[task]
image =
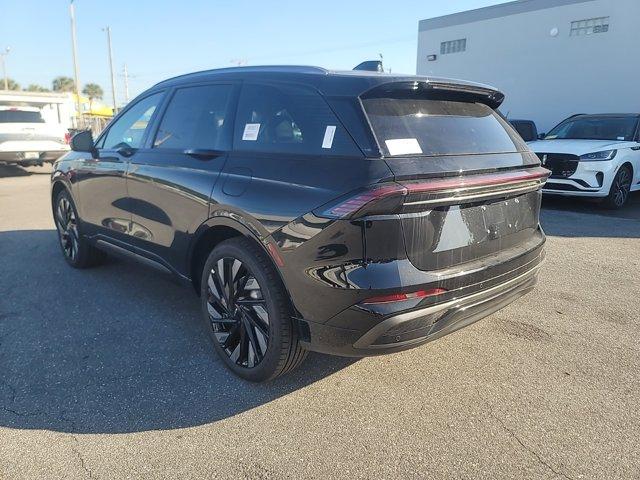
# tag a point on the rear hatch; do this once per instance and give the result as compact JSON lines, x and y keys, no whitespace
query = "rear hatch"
{"x":26,"y":124}
{"x":471,"y":185}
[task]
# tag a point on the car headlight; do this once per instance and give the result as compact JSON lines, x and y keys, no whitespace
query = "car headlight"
{"x":598,"y":156}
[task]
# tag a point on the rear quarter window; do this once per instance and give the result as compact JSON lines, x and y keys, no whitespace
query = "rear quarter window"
{"x":416,"y":126}
{"x":287,"y":118}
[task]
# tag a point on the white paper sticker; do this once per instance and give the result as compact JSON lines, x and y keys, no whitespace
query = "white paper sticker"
{"x":329,"y":133}
{"x":620,"y":138}
{"x":251,"y":131}
{"x":403,"y":146}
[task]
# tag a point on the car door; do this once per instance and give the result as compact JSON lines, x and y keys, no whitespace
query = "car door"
{"x":102,"y":178}
{"x":170,"y":181}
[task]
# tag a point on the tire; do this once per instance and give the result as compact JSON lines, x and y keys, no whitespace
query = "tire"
{"x":247,"y":312}
{"x":620,"y":188}
{"x":77,"y":250}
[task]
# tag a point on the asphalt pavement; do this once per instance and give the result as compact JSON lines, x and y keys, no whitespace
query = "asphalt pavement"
{"x":108,"y":373}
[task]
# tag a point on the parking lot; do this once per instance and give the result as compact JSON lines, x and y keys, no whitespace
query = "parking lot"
{"x":107,"y":373}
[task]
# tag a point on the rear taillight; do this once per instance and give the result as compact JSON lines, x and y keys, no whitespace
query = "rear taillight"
{"x":67,"y":138}
{"x":390,"y":197}
{"x":400,"y":297}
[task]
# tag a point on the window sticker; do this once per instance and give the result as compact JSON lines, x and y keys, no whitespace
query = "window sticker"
{"x":403,"y":146}
{"x":251,"y":131}
{"x":329,"y":133}
{"x":621,"y":138}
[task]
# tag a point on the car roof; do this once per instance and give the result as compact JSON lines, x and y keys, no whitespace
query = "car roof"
{"x":329,"y":82}
{"x":612,"y":115}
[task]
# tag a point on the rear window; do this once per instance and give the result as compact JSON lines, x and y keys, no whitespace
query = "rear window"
{"x":287,"y":118}
{"x":416,"y":126}
{"x":20,"y":116}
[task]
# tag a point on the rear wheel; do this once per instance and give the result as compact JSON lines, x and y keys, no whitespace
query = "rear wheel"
{"x":620,"y":188}
{"x":247,"y":312}
{"x":77,"y":251}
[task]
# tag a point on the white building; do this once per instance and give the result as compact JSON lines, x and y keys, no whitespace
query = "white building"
{"x":552,"y":58}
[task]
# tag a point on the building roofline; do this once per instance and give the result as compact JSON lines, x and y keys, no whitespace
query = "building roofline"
{"x":494,"y":11}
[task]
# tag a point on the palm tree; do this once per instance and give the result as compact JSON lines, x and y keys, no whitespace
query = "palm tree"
{"x":36,"y":88}
{"x":63,"y":84}
{"x":11,"y":83}
{"x":93,"y":91}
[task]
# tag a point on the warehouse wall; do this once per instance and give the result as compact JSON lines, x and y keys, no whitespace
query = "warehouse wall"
{"x":545,"y":78}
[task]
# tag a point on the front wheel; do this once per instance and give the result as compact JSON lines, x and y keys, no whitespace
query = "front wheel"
{"x":247,"y":312}
{"x":77,"y":251}
{"x":620,"y":188}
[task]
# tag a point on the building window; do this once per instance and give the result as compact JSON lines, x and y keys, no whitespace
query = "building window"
{"x":453,"y":46}
{"x":589,"y":26}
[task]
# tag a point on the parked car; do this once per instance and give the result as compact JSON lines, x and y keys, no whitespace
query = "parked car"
{"x":526,"y":129}
{"x":595,"y":156}
{"x":26,"y":139}
{"x":351,"y":213}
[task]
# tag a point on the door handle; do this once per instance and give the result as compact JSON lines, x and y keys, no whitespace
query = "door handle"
{"x":203,"y":153}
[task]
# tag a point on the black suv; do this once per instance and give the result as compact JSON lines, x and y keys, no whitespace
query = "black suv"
{"x":351,"y":213}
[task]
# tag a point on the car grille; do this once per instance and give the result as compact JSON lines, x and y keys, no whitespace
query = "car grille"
{"x":562,"y":165}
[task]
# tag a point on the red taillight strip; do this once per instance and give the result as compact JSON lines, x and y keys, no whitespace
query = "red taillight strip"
{"x":355,"y":203}
{"x":400,"y":297}
{"x":441,"y":185}
{"x":487,"y":180}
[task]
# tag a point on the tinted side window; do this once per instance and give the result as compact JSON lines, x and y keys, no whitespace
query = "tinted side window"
{"x":197,"y":117}
{"x":128,"y":130}
{"x":289,"y":119}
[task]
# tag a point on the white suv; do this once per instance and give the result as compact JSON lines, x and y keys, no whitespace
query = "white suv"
{"x":593,"y":156}
{"x":26,"y":139}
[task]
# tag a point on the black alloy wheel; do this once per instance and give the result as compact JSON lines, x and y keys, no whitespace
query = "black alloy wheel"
{"x":77,"y":251}
{"x":238,"y":314}
{"x":67,"y":225}
{"x":248,"y":313}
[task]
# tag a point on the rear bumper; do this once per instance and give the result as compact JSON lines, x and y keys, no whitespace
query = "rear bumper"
{"x":31,"y":157}
{"x":402,"y":331}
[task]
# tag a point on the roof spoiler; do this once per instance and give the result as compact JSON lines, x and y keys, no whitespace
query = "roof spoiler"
{"x":438,"y":89}
{"x":370,"y":66}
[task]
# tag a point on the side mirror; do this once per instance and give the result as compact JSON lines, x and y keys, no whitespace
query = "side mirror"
{"x":83,"y":142}
{"x":541,"y":136}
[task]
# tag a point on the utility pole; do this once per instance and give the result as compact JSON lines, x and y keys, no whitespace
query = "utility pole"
{"x":74,"y":48}
{"x":4,"y":67}
{"x":113,"y":78}
{"x":125,"y":73}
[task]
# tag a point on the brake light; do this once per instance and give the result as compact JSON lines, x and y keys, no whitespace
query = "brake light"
{"x":355,"y":202}
{"x":400,"y":297}
{"x":67,"y":138}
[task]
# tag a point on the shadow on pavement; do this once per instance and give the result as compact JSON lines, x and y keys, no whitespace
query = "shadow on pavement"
{"x":574,"y":217}
{"x":118,"y":348}
{"x":17,"y":171}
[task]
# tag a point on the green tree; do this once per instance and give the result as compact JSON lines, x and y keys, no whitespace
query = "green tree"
{"x":36,"y":88}
{"x":63,"y":84}
{"x":93,"y":91}
{"x":11,"y":83}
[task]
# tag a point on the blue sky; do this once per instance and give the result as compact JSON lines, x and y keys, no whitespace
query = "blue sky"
{"x":161,"y":39}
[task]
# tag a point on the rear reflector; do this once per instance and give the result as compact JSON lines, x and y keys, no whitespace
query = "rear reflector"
{"x":352,"y":204}
{"x":273,"y":251}
{"x":400,"y":297}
